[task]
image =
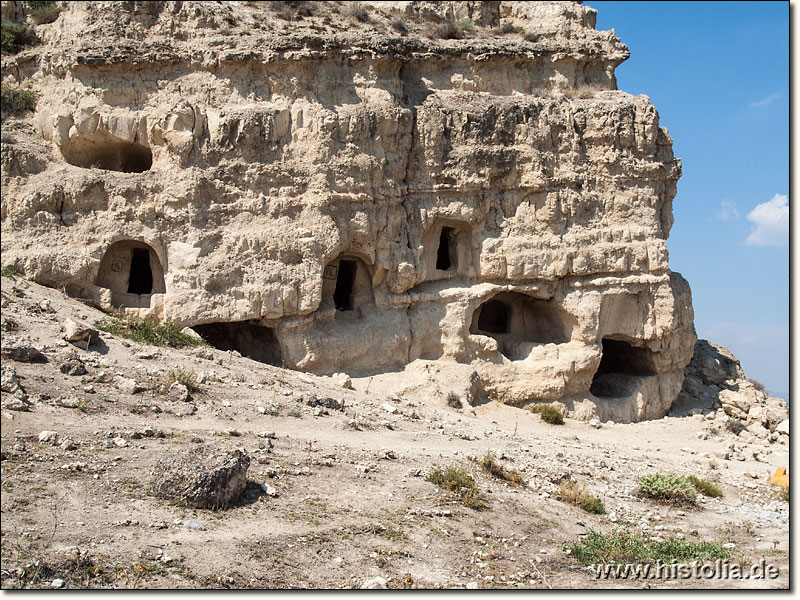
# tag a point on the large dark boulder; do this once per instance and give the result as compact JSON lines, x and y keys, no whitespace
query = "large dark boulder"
{"x":204,"y":477}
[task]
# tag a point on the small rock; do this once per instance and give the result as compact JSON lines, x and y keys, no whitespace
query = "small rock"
{"x":595,"y":423}
{"x":729,"y":545}
{"x":472,"y":585}
{"x":389,"y":408}
{"x":195,"y":525}
{"x":342,"y":380}
{"x":375,"y":583}
{"x":128,"y":386}
{"x":72,"y":366}
{"x":178,"y":392}
{"x":783,"y":427}
{"x":57,"y":584}
{"x":18,"y":404}
{"x":269,"y":490}
{"x":68,"y":444}
{"x":75,"y":332}
{"x":48,"y":437}
{"x":22,"y":352}
{"x":119,"y":442}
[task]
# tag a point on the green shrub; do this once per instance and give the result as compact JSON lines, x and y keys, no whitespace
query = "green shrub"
{"x":148,"y":332}
{"x":15,"y":101}
{"x":495,"y":469}
{"x":668,"y":488}
{"x":13,"y":36}
{"x":573,"y":493}
{"x":623,"y":546}
{"x":459,"y":482}
{"x":705,"y":487}
{"x":549,"y":413}
{"x":43,"y":11}
{"x":465,"y":24}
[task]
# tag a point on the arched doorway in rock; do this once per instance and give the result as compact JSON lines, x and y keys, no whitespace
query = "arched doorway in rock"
{"x":621,"y":363}
{"x":133,"y":272}
{"x":518,"y":321}
{"x":347,"y":286}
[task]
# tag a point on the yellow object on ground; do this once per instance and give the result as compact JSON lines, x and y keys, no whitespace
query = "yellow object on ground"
{"x":781,"y":477}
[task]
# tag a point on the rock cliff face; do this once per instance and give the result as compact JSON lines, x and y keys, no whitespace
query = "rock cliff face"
{"x":335,"y":187}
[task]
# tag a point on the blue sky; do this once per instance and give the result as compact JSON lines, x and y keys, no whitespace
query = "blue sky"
{"x":718,"y":73}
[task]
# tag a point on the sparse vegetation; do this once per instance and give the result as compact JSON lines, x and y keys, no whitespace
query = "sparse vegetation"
{"x":549,"y":413}
{"x":16,"y":102}
{"x":187,"y":378}
{"x":466,"y":25}
{"x":459,"y":482}
{"x":8,"y":271}
{"x":292,"y":10}
{"x":15,"y":36}
{"x":507,"y":28}
{"x":495,"y":469}
{"x":623,"y":546}
{"x":399,"y":26}
{"x":295,"y":412}
{"x":42,"y":12}
{"x":668,"y":488}
{"x":576,"y":494}
{"x":530,"y":36}
{"x":705,"y":487}
{"x":757,"y":384}
{"x":447,"y":31}
{"x":148,"y":332}
{"x":735,"y":426}
{"x":453,"y":400}
{"x":357,"y":11}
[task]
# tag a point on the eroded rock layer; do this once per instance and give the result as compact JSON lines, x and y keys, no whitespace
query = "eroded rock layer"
{"x":332,"y":193}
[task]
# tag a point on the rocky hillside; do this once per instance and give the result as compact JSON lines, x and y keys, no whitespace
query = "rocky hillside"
{"x":331,"y":482}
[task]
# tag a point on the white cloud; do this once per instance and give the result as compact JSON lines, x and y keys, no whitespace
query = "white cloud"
{"x":770,"y":222}
{"x":768,"y":100}
{"x":727,"y":211}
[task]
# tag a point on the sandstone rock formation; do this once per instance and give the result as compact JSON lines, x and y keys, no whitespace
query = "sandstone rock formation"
{"x":332,"y":193}
{"x":715,"y":384}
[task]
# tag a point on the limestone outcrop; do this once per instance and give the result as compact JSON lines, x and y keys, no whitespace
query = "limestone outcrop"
{"x":335,"y":187}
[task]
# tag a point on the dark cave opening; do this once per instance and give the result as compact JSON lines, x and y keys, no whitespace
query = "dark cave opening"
{"x":445,"y":253}
{"x":620,"y":361}
{"x":493,"y":317}
{"x":140,"y":279}
{"x":249,"y":338}
{"x":345,"y":282}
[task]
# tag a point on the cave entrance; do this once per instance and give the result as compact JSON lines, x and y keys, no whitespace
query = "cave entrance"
{"x":140,"y":279}
{"x":345,"y":282}
{"x":493,"y":317}
{"x":519,"y":322}
{"x":248,"y":338}
{"x":446,"y":255}
{"x":133,"y":272}
{"x":621,"y":362}
{"x":109,"y":153}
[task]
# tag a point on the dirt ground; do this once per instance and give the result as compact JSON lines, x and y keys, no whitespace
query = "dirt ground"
{"x":352,"y":500}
